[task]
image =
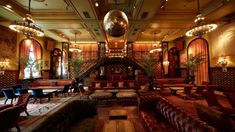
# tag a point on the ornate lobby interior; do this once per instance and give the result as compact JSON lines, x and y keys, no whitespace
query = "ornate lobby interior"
{"x":117,"y":65}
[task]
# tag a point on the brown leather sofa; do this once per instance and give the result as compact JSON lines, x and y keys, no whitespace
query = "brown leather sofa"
{"x":50,"y":84}
{"x":216,"y":118}
{"x":159,"y":114}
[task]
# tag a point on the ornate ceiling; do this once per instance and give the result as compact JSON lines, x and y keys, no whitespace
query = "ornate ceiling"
{"x":169,"y":19}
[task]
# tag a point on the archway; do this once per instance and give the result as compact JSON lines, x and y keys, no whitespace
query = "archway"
{"x":199,"y":46}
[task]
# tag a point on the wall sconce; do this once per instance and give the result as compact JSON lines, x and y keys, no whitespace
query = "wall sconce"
{"x":223,"y":62}
{"x":3,"y":63}
{"x":166,"y":62}
{"x":165,"y":66}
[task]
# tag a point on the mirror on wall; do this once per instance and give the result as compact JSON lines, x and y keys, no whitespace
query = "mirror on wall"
{"x":59,"y":63}
{"x":65,"y":56}
{"x":56,"y":64}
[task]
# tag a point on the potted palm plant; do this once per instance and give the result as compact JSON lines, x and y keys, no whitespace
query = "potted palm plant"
{"x":149,"y":65}
{"x":192,"y":64}
{"x":75,"y":66}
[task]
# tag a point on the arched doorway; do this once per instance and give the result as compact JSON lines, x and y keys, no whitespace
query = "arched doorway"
{"x":199,"y":47}
{"x":174,"y":63}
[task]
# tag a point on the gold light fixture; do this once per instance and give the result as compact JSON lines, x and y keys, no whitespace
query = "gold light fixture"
{"x":75,"y":48}
{"x":201,"y":27}
{"x":156,"y":45}
{"x":115,"y":22}
{"x":3,"y":63}
{"x":27,"y":27}
{"x":223,"y":62}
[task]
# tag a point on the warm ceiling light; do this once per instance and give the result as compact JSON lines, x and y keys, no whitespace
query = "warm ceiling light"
{"x":27,"y":27}
{"x":155,"y":50}
{"x":9,"y":6}
{"x":75,"y":48}
{"x":96,"y":4}
{"x":157,"y":47}
{"x":201,"y":27}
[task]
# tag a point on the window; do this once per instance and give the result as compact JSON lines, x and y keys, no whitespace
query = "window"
{"x":30,"y":59}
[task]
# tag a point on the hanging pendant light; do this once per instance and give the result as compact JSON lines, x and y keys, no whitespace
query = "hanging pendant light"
{"x":201,"y":27}
{"x":75,"y":48}
{"x":27,"y":27}
{"x":156,"y":45}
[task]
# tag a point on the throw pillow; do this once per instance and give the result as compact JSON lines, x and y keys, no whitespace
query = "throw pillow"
{"x":53,"y":83}
{"x":120,"y":84}
{"x":171,"y":82}
{"x":131,"y":84}
{"x":109,"y":85}
{"x":97,"y":85}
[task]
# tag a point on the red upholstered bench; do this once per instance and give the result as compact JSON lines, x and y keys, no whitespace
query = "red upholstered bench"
{"x":50,"y":84}
{"x":172,"y":82}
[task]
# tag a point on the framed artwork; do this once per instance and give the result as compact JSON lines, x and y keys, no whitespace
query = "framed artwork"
{"x":7,"y":42}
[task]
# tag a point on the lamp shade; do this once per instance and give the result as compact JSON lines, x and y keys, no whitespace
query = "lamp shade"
{"x":115,"y":23}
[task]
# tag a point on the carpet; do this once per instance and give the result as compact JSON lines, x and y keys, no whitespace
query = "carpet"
{"x":36,"y":110}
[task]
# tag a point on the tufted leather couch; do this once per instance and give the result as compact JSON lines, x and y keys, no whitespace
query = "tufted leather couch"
{"x":165,"y":116}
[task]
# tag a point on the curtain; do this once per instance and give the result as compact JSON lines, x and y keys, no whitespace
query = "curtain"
{"x":199,"y":46}
{"x":24,"y":52}
{"x":37,"y":55}
{"x":36,"y":49}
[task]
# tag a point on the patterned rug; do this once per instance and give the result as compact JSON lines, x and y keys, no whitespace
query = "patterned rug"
{"x":36,"y":110}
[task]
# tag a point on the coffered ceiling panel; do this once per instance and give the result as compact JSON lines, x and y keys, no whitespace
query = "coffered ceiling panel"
{"x":56,"y":5}
{"x":170,"y":17}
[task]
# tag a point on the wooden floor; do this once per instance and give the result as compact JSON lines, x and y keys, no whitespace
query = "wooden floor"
{"x":132,"y":117}
{"x":103,"y":123}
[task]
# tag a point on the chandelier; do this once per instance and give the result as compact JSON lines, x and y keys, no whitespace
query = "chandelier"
{"x":201,"y":27}
{"x":75,"y":48}
{"x":157,"y":46}
{"x":27,"y":27}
